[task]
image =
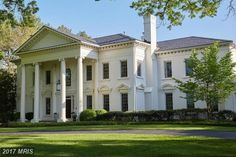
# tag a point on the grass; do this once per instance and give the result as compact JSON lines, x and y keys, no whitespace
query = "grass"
{"x":121,"y":145}
{"x":160,"y":126}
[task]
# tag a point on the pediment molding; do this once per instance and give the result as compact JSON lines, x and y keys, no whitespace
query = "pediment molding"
{"x":123,"y":88}
{"x":104,"y":89}
{"x":168,"y":86}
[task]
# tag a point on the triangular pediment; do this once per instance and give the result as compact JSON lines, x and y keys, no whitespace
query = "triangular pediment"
{"x":46,"y":37}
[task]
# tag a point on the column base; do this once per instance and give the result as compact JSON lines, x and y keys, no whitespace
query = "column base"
{"x":61,"y":120}
{"x":22,"y":120}
{"x":34,"y":121}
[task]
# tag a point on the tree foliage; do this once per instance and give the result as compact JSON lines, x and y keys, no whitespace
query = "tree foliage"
{"x":212,"y":78}
{"x":7,"y":95}
{"x":18,"y":12}
{"x":67,"y":30}
{"x":173,"y":12}
{"x":83,"y":34}
{"x":12,"y":38}
{"x":64,"y":29}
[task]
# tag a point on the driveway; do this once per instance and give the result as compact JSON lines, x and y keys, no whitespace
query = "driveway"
{"x":218,"y":134}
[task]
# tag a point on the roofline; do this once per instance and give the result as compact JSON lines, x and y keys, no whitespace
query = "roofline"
{"x":223,"y":40}
{"x":54,"y":30}
{"x":190,"y":47}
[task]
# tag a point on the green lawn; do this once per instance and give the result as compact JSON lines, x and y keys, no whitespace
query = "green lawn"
{"x":122,"y":126}
{"x":121,"y":145}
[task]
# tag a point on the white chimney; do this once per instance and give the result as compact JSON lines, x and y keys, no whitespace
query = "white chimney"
{"x":150,"y":30}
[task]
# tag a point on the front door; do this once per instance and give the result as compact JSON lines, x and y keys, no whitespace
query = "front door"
{"x":68,"y":107}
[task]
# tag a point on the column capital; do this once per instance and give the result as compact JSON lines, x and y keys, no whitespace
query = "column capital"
{"x":61,"y":59}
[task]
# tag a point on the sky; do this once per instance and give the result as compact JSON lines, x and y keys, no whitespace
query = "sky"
{"x":108,"y":17}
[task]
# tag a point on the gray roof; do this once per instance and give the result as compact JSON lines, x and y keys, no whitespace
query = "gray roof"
{"x":187,"y":42}
{"x":113,"y":39}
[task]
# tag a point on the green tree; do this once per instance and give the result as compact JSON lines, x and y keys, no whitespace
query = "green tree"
{"x":173,"y":12}
{"x":18,"y":12}
{"x":212,"y":78}
{"x":64,"y":29}
{"x":7,"y":95}
{"x":83,"y":34}
{"x":12,"y":38}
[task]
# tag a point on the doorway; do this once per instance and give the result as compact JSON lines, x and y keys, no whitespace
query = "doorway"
{"x":68,"y":107}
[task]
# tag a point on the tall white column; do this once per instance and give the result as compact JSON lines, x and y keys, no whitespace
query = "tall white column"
{"x":63,"y":91}
{"x":22,"y":101}
{"x":96,"y":77}
{"x":54,"y":89}
{"x":36,"y":94}
{"x":79,"y":85}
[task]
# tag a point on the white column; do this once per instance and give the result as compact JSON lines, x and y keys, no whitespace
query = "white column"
{"x":36,"y":94}
{"x":96,"y":77}
{"x":63,"y":91}
{"x":79,"y":85}
{"x":54,"y":89}
{"x":22,"y":102}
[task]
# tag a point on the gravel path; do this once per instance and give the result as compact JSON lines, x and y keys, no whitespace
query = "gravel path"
{"x":218,"y":134}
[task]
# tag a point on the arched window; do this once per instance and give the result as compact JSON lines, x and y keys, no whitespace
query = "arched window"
{"x":68,"y":77}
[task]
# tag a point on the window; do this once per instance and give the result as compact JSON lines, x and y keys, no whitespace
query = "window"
{"x":89,"y":72}
{"x":169,"y":101}
{"x":188,"y":70}
{"x":189,"y":100}
{"x":139,"y":69}
{"x":124,"y":102}
{"x":68,"y":77}
{"x":48,"y":106}
{"x":168,"y":70}
{"x":48,"y":77}
{"x":89,"y":101}
{"x":106,"y":102}
{"x":124,"y":70}
{"x":106,"y":71}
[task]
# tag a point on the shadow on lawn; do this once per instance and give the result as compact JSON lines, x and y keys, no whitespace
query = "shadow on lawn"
{"x":135,"y":148}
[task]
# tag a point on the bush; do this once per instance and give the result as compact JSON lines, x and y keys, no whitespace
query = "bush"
{"x":149,"y":116}
{"x":87,"y":115}
{"x":14,"y":116}
{"x":100,"y":112}
{"x":29,"y":116}
{"x":225,"y":115}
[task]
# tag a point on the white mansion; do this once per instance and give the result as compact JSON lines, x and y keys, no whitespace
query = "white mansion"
{"x":62,"y":73}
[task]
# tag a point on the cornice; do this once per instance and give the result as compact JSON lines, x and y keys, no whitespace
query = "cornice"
{"x":49,"y":48}
{"x":187,"y":49}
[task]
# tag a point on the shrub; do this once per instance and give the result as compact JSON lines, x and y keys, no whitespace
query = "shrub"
{"x":148,"y":116}
{"x":225,"y":115}
{"x":14,"y":116}
{"x":29,"y":116}
{"x":87,"y":115}
{"x":100,"y":112}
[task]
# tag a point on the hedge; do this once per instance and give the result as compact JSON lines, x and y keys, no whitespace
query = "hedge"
{"x":169,"y":115}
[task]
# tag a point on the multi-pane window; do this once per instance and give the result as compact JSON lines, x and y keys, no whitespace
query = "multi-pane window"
{"x":124,"y":69}
{"x":139,"y":69}
{"x":188,"y":69}
{"x":89,"y":101}
{"x":106,"y":102}
{"x":124,"y":102}
{"x":89,"y":72}
{"x":189,"y":101}
{"x":48,"y":106}
{"x":106,"y":71}
{"x":48,"y":77}
{"x":168,"y":69}
{"x":169,"y":101}
{"x":68,"y":77}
